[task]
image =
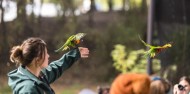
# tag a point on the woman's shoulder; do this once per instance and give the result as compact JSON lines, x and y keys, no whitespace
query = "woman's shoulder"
{"x":26,"y":86}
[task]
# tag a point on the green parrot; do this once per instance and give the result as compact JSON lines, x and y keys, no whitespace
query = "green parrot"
{"x":72,"y":41}
{"x":155,"y":49}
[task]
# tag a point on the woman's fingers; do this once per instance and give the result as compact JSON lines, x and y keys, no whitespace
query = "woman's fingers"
{"x":84,"y":52}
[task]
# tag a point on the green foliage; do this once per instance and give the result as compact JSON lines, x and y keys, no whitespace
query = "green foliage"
{"x":132,"y":62}
{"x":135,"y":3}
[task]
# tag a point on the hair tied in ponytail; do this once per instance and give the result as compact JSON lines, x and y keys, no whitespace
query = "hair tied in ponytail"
{"x":16,"y":54}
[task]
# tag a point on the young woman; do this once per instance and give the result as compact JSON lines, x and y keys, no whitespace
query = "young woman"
{"x":34,"y":75}
{"x":183,"y":87}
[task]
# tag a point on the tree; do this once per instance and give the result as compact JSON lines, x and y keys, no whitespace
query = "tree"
{"x":23,"y":23}
{"x":143,"y":6}
{"x":92,"y":6}
{"x":133,"y":61}
{"x":3,"y":29}
{"x":110,"y":4}
{"x":91,"y":13}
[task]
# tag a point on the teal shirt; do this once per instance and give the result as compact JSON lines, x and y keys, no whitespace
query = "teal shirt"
{"x":24,"y":82}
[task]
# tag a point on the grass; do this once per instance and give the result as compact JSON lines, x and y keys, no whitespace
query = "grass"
{"x":59,"y":89}
{"x":72,"y":89}
{"x":5,"y":90}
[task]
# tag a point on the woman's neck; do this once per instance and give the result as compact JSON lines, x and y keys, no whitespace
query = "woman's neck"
{"x":34,"y":70}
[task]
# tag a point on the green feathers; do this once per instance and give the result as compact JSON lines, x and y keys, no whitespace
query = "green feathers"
{"x":71,"y":42}
{"x":154,"y":49}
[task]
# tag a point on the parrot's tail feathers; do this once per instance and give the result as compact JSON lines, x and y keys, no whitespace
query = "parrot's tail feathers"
{"x":62,"y":49}
{"x":148,"y":45}
{"x":142,"y":41}
{"x":57,"y":50}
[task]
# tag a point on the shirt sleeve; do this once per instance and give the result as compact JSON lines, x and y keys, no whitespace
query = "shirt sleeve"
{"x":56,"y":68}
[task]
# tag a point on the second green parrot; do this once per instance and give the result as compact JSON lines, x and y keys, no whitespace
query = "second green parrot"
{"x":72,"y":41}
{"x":154,"y":49}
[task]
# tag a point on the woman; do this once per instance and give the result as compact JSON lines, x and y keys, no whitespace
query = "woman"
{"x":34,"y":75}
{"x":183,"y":87}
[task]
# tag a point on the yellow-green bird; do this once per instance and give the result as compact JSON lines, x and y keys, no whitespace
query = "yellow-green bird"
{"x":72,"y":41}
{"x":154,"y":49}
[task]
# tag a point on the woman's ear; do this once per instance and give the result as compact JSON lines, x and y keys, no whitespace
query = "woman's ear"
{"x":37,"y":61}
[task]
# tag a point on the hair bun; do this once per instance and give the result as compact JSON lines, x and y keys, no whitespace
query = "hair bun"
{"x":16,"y":54}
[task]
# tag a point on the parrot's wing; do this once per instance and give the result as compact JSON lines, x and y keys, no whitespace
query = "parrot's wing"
{"x":147,"y":53}
{"x":150,"y":53}
{"x":71,"y":38}
{"x":67,"y":44}
{"x":80,"y":35}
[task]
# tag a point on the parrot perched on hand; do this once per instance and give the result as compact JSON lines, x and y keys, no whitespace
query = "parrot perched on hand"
{"x":72,"y":41}
{"x":154,"y":49}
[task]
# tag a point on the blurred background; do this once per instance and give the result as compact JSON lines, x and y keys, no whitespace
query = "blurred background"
{"x":112,"y":28}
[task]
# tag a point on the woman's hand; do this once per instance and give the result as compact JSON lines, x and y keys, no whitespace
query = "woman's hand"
{"x":175,"y":89}
{"x":84,"y":52}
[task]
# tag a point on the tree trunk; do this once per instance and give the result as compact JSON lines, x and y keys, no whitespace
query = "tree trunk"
{"x":110,"y":4}
{"x":143,"y":6}
{"x":40,"y":20}
{"x":91,"y":13}
{"x":4,"y":41}
{"x":124,"y":5}
{"x":25,"y":29}
{"x":21,"y":12}
{"x":92,"y":6}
